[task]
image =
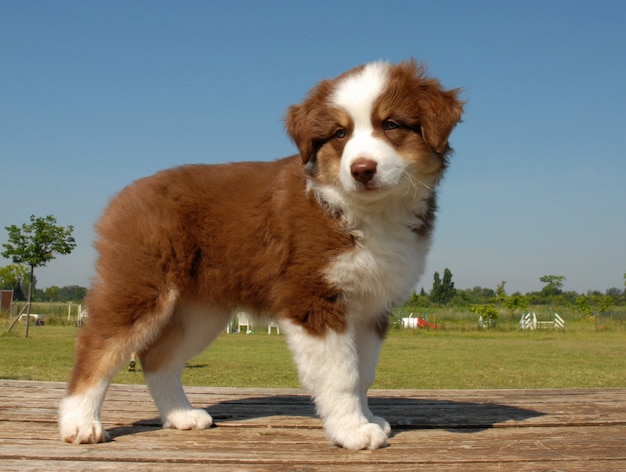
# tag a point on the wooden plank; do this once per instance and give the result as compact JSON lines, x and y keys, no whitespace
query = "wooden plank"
{"x":131,"y":404}
{"x":79,"y":466}
{"x":261,"y":429}
{"x":307,"y":447}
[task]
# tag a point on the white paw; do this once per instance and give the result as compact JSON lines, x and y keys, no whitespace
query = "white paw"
{"x":367,"y":436}
{"x":83,"y":433}
{"x":382,"y":423}
{"x":194,"y":418}
{"x":77,"y":428}
{"x":79,"y":422}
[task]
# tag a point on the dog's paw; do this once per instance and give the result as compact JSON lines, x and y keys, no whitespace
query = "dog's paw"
{"x":367,"y":436}
{"x":188,"y":419}
{"x":384,"y":425}
{"x":86,"y":432}
{"x":79,"y":424}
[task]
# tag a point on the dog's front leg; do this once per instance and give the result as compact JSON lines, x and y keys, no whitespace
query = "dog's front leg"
{"x":328,"y":365}
{"x":369,"y":342}
{"x":176,"y":412}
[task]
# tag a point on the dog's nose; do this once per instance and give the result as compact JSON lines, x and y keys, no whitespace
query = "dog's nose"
{"x":363,"y":170}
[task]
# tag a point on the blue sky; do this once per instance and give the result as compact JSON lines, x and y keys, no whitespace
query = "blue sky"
{"x":96,"y":94}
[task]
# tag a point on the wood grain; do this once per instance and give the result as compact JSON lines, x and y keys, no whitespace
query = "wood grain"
{"x":276,"y":429}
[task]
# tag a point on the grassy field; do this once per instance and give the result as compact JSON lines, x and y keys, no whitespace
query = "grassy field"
{"x":581,"y":356}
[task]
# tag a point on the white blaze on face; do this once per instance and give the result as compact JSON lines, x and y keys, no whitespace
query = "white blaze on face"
{"x":357,"y":94}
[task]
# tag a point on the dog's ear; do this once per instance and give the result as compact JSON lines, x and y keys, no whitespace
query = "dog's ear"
{"x":441,"y":110}
{"x":312,"y":122}
{"x":435,"y":109}
{"x":299,"y":125}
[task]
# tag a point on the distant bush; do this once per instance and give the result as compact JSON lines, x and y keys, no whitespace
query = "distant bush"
{"x":487,"y":315}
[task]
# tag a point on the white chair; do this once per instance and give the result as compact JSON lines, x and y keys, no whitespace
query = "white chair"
{"x":243,"y":319}
{"x":273,"y":324}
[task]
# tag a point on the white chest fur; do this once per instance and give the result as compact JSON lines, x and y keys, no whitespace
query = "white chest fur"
{"x":383,"y":268}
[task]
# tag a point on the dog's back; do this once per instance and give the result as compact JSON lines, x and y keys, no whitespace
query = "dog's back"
{"x":241,"y":235}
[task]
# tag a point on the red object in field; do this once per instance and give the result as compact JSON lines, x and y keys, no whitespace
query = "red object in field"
{"x":422,"y":323}
{"x":411,"y":322}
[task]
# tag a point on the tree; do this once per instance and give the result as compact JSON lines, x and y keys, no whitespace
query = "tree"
{"x":581,"y":305}
{"x":501,"y":292}
{"x":35,"y":245}
{"x":51,"y":293}
{"x":613,"y":292}
{"x":68,"y":293}
{"x":443,"y":290}
{"x":435,"y":292}
{"x":554,"y":284}
{"x":447,"y":286}
{"x":517,"y":301}
{"x":488,"y":315}
{"x":12,"y":275}
{"x":605,"y":303}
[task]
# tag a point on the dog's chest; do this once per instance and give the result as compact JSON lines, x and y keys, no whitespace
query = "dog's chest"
{"x":382,"y":269}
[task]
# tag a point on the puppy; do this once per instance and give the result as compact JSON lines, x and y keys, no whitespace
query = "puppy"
{"x":327,"y":242}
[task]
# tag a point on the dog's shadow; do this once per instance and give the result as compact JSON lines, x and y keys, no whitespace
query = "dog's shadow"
{"x":402,"y":413}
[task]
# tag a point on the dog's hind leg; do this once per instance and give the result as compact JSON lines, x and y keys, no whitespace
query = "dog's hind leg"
{"x":104,"y":344}
{"x":190,"y":330}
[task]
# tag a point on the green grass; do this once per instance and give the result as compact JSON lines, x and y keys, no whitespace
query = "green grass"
{"x":581,"y":357}
{"x":512,"y":359}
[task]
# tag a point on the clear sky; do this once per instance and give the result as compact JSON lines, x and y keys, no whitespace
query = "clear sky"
{"x":95,"y":94}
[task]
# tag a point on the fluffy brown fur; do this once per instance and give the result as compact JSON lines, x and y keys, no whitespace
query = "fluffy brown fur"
{"x":242,"y":235}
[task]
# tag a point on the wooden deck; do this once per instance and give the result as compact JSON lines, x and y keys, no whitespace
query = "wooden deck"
{"x":275,"y":430}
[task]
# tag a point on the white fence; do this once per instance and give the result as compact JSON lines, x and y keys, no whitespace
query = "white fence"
{"x":529,"y":321}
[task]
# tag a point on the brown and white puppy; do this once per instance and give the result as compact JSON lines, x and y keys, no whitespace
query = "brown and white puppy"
{"x":327,"y":242}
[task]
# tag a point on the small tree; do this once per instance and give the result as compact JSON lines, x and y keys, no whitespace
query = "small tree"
{"x":488,"y":315}
{"x":501,"y":292}
{"x":35,"y":245}
{"x":554,"y":284}
{"x":435,"y":292}
{"x":605,"y":303}
{"x":448,"y":286}
{"x":12,"y":275}
{"x":517,"y":301}
{"x":581,"y":305}
{"x":443,"y":290}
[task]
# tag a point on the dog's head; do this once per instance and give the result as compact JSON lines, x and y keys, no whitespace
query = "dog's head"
{"x":375,"y":129}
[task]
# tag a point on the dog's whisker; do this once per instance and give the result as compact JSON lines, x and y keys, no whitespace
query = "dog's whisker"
{"x":418,"y":181}
{"x":413,"y":186}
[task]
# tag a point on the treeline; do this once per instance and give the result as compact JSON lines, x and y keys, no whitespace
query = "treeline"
{"x":69,"y":293}
{"x":482,"y":295}
{"x":16,"y":277}
{"x":444,"y":293}
{"x":439,"y":297}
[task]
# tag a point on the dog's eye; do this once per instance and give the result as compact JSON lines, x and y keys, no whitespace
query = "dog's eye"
{"x":340,"y":133}
{"x":389,"y":125}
